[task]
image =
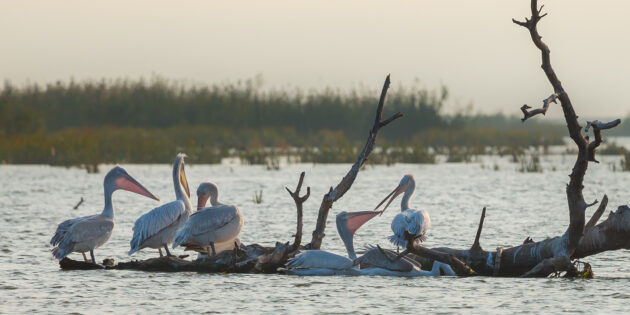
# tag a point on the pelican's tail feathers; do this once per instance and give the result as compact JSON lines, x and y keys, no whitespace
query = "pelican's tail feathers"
{"x":398,"y":241}
{"x":65,"y":247}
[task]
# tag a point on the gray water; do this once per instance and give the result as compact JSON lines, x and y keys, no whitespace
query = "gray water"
{"x":34,"y":199}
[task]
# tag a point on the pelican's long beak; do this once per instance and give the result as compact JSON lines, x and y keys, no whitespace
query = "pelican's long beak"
{"x":201,"y":201}
{"x":128,"y":183}
{"x":393,"y":196}
{"x":357,"y":219}
{"x":184,"y":181}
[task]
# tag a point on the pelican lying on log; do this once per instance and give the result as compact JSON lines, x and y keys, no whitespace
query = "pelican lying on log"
{"x":373,"y":262}
{"x":156,"y":228}
{"x":87,"y":233}
{"x":218,"y":224}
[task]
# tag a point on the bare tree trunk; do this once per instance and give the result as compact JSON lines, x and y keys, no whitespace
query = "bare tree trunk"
{"x":338,"y":192}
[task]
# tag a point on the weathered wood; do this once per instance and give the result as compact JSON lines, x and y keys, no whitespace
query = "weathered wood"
{"x":345,"y":184}
{"x":299,"y":201}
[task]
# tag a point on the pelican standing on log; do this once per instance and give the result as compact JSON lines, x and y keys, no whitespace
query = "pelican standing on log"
{"x":156,"y":228}
{"x":211,"y":226}
{"x":410,"y":224}
{"x":87,"y":233}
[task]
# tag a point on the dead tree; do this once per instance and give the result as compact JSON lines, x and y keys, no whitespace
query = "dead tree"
{"x":540,"y":259}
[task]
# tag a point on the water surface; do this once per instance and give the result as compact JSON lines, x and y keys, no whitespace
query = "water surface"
{"x":34,"y":199}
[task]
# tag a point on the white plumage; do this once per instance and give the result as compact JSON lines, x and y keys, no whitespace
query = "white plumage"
{"x":319,"y":259}
{"x":409,"y":223}
{"x":156,"y":228}
{"x":414,"y":222}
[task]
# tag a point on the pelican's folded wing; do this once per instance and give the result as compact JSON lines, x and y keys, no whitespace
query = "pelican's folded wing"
{"x":154,"y":221}
{"x":211,"y":219}
{"x":91,"y":228}
{"x":63,"y":228}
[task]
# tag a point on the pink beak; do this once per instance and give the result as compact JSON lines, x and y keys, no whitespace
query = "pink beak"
{"x":357,"y":219}
{"x":128,"y":183}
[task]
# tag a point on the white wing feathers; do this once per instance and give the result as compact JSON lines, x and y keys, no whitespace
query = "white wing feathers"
{"x":154,"y":221}
{"x":319,"y":259}
{"x":211,"y":219}
{"x":415,"y":222}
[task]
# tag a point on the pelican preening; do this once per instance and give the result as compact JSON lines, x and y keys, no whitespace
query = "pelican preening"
{"x":156,"y":228}
{"x":409,"y":223}
{"x":211,"y":227}
{"x":374,"y":262}
{"x":87,"y":233}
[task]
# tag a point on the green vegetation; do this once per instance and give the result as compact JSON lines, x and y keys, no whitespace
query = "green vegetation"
{"x":142,"y":121}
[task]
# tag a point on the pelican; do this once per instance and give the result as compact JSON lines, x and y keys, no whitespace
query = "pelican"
{"x":218,"y":224}
{"x":409,"y":224}
{"x":373,"y":262}
{"x":90,"y":232}
{"x":156,"y":228}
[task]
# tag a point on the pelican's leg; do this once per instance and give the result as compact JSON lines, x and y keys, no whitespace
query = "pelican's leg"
{"x":84,"y":257}
{"x":168,"y":254}
{"x":160,"y":249}
{"x":92,"y":255}
{"x":213,"y":251}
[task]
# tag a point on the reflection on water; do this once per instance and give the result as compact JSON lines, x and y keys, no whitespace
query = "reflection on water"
{"x":33,"y":199}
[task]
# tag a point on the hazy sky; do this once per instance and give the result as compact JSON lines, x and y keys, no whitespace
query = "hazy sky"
{"x":470,"y":46}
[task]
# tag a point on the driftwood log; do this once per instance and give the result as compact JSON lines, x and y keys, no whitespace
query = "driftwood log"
{"x":256,"y":258}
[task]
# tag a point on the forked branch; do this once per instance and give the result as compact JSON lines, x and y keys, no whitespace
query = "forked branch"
{"x":299,"y":201}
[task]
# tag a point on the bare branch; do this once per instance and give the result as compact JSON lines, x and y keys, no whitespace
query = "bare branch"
{"x":347,"y":181}
{"x":476,"y":243}
{"x":598,"y":214}
{"x":298,"y":204}
{"x":597,"y":131}
{"x":543,"y":110}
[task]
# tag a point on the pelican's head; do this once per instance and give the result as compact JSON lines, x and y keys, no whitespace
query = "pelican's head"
{"x":406,"y":183}
{"x":204,"y":191}
{"x":118,"y":178}
{"x":179,"y":170}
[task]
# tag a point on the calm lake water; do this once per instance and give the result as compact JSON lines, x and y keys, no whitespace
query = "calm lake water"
{"x":34,"y":199}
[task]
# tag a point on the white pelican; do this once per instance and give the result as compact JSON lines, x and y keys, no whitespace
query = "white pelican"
{"x":156,"y":228}
{"x":87,"y":233}
{"x":409,"y":223}
{"x":218,"y":224}
{"x":322,"y":263}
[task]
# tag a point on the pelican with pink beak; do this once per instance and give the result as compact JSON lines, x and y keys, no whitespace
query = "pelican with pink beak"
{"x":375,"y":261}
{"x":84,"y":234}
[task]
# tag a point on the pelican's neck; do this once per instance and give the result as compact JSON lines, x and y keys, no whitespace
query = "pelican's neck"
{"x":346,"y":236}
{"x":180,"y":192}
{"x":214,"y":197}
{"x":404,"y":204}
{"x":108,"y":211}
